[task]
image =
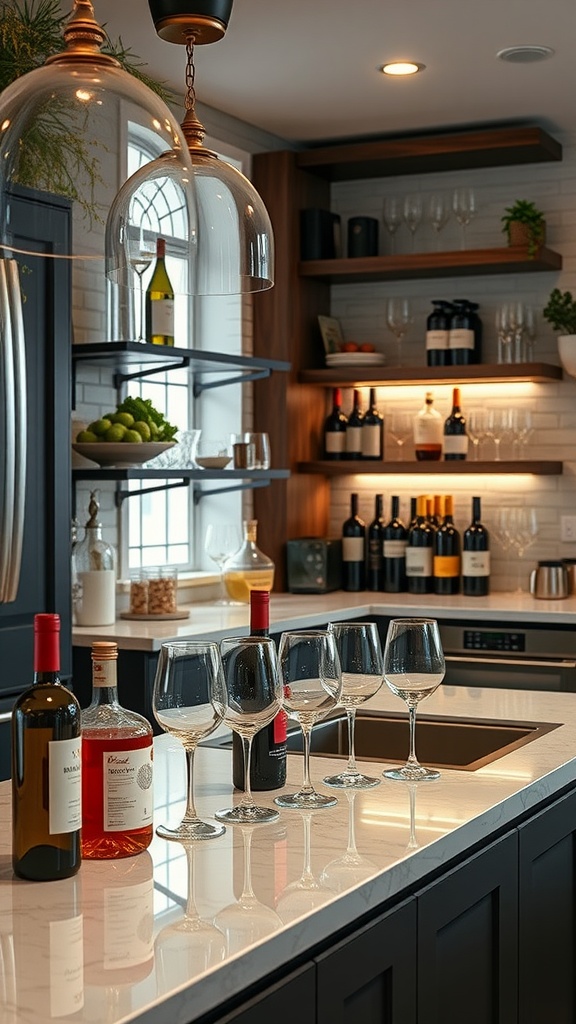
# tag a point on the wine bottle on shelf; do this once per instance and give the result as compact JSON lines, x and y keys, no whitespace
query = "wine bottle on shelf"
{"x":375,"y":573}
{"x":476,"y":556}
{"x":354,"y":429}
{"x":477,"y":327}
{"x":420,"y":552}
{"x":160,"y":301}
{"x":437,"y":333}
{"x":335,"y":429}
{"x":117,"y":775}
{"x":437,"y":517}
{"x":461,"y":338}
{"x":354,"y":549}
{"x":413,"y":502}
{"x":447,"y":553}
{"x":428,"y":432}
{"x":46,"y":767}
{"x":373,"y":431}
{"x":455,"y":435}
{"x":395,"y":541}
{"x":268,"y":757}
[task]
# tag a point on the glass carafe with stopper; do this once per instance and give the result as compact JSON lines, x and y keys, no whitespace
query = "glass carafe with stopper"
{"x":95,"y":590}
{"x":249,"y":568}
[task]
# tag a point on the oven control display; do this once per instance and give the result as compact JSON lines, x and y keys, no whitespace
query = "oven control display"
{"x":481,"y":640}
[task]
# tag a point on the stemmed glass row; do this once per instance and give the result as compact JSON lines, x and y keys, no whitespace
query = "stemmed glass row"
{"x":516,"y":329}
{"x":413,"y":209}
{"x":500,"y":426}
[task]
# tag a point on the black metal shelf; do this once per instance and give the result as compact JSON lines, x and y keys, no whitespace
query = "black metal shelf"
{"x":242,"y":479}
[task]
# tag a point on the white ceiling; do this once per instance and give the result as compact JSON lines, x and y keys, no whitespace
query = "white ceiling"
{"x":306,"y":70}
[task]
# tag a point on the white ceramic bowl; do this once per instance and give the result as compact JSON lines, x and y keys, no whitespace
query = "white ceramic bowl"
{"x":567,"y":352}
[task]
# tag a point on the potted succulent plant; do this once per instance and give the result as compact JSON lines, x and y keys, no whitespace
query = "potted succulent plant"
{"x":525,"y":225}
{"x":560,"y":311}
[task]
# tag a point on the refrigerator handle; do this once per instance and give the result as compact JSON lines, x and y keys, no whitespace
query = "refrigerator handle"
{"x":20,"y":393}
{"x":13,"y":378}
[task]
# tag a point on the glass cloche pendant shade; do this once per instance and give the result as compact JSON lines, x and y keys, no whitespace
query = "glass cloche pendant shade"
{"x":60,"y":130}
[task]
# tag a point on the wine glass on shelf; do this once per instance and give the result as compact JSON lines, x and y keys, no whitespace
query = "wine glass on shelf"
{"x":254,"y":698}
{"x":189,"y":700}
{"x":438,"y":213}
{"x":530,"y":328}
{"x":413,"y":214}
{"x":476,"y":426}
{"x":222,"y":540}
{"x":398,"y":320}
{"x":523,"y":533}
{"x":392,"y":214}
{"x":522,"y":430}
{"x":400,"y":429}
{"x":498,"y":428}
{"x":312,"y":680}
{"x":414,"y":667}
{"x":464,"y":207}
{"x":141,"y":254}
{"x":361,"y":662}
{"x":504,"y":333}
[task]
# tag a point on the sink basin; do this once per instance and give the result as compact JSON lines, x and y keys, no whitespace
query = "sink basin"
{"x":442,"y":742}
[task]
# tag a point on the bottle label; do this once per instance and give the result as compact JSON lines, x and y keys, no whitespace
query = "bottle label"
{"x":375,"y":554}
{"x":428,"y":430}
{"x":335,"y":441}
{"x":455,"y":444}
{"x":104,"y":673}
{"x":371,"y":438}
{"x":127,"y":784}
{"x":461,"y":337}
{"x":475,"y":563}
{"x":128,"y":935}
{"x":353,"y":437}
{"x":162,"y":317}
{"x":66,"y":966}
{"x":352,"y":549}
{"x":446,"y":566}
{"x":395,"y":548}
{"x":436,"y":340}
{"x":419,"y":561}
{"x":64,"y":785}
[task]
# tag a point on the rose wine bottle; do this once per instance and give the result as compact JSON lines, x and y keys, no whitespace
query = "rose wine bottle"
{"x":268,"y":757}
{"x":160,"y":301}
{"x":46,"y":767}
{"x":116,"y":767}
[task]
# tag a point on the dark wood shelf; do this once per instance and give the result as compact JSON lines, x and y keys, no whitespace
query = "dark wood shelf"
{"x":483,"y":373}
{"x":538,"y":467}
{"x":406,"y":266}
{"x":491,"y":147}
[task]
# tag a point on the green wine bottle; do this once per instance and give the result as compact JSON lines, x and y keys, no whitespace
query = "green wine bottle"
{"x":160,"y":302}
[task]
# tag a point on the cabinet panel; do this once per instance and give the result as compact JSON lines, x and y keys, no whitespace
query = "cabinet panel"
{"x":293,"y":998}
{"x":370,"y":977}
{"x":467,"y":941}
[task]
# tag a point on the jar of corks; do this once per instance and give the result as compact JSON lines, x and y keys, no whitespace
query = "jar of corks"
{"x":153,"y":592}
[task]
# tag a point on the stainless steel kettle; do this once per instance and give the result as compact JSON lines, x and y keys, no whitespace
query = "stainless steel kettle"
{"x":549,"y":581}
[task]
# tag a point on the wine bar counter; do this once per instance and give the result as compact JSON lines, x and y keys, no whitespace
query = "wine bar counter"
{"x":407,"y":902}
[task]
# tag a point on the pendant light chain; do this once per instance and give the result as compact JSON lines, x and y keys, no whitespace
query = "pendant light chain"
{"x":190,"y":100}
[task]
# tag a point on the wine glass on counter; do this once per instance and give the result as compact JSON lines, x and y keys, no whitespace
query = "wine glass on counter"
{"x":253,"y":699}
{"x":248,"y":920}
{"x":398,"y":320}
{"x":464,"y":207}
{"x":141,"y":254}
{"x":392,"y":218}
{"x":414,"y":667}
{"x":188,"y":701}
{"x":351,"y":867}
{"x":361,"y":662}
{"x":312,"y":679}
{"x":400,"y":429}
{"x":222,"y":540}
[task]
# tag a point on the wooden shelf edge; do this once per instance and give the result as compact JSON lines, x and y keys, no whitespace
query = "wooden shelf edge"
{"x":537,"y":467}
{"x":482,"y":373}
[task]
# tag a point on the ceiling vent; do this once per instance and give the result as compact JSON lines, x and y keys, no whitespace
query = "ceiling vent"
{"x":525,"y":54}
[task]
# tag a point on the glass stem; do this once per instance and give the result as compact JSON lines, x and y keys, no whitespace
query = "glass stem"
{"x":191,"y":913}
{"x":307,"y":869}
{"x":247,"y":891}
{"x":351,"y":848}
{"x":247,"y":800}
{"x":412,"y":759}
{"x":352,"y":769}
{"x":190,"y":814}
{"x":142,"y":313}
{"x":307,"y":786}
{"x":497,"y":446}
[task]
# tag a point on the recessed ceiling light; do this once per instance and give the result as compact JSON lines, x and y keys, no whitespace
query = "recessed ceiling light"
{"x":401,"y":67}
{"x":525,"y":54}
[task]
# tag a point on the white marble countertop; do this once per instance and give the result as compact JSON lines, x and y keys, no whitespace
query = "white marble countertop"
{"x":103,"y":949}
{"x":291,"y":611}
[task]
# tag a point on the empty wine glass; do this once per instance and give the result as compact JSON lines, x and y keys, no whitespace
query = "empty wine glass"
{"x":189,"y":700}
{"x":413,"y":668}
{"x":222,"y":540}
{"x":398,"y":320}
{"x":392,"y":218}
{"x":351,"y":868}
{"x":248,"y":920}
{"x":464,"y":207}
{"x":523,"y":528}
{"x":413,"y":214}
{"x":498,"y":428}
{"x":504,"y":333}
{"x":254,"y":698}
{"x":476,"y":427}
{"x":312,"y":679}
{"x":141,"y":253}
{"x":400,"y":429}
{"x":360,"y":653}
{"x":438,"y":213}
{"x":522,"y":429}
{"x":307,"y":892}
{"x":530,"y":329}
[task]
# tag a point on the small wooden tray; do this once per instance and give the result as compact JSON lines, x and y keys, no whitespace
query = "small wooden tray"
{"x":178,"y":614}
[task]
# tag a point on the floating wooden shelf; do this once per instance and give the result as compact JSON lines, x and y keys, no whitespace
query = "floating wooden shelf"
{"x":483,"y":373}
{"x":538,"y":467}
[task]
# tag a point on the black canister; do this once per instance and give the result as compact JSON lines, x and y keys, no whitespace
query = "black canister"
{"x":362,"y":236}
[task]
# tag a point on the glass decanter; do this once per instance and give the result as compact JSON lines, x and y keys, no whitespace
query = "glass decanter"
{"x":249,"y":568}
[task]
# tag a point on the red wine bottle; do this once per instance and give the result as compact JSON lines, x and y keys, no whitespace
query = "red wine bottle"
{"x":395,"y":541}
{"x":437,"y":333}
{"x":420,"y":552}
{"x":373,"y":431}
{"x":455,"y":445}
{"x":476,"y":556}
{"x":447,"y":553}
{"x":46,"y":767}
{"x":354,"y":429}
{"x":335,"y":429}
{"x":375,"y":573}
{"x":354,"y":549}
{"x":268,"y":757}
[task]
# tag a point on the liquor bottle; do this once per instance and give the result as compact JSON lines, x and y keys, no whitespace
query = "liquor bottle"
{"x":335,"y":429}
{"x":373,"y":431}
{"x":437,"y":333}
{"x":375,"y":573}
{"x":447,"y":553}
{"x":46,"y":767}
{"x":268,"y":757}
{"x":428,"y":432}
{"x":419,"y":552}
{"x":95,"y":582}
{"x":461,"y":337}
{"x":354,"y":429}
{"x":395,"y":541}
{"x":455,"y":436}
{"x":249,"y":568}
{"x":160,"y":301}
{"x":354,"y":549}
{"x":476,"y":556}
{"x":117,"y":776}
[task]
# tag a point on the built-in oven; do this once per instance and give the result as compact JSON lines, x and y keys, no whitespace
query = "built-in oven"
{"x":511,"y":656}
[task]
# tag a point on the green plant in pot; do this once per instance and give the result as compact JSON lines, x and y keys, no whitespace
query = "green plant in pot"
{"x":524,"y":224}
{"x":560,"y":311}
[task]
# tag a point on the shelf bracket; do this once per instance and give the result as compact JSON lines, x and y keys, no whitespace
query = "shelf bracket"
{"x":122,"y":493}
{"x":242,"y":378}
{"x":120,"y":378}
{"x":199,"y":494}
